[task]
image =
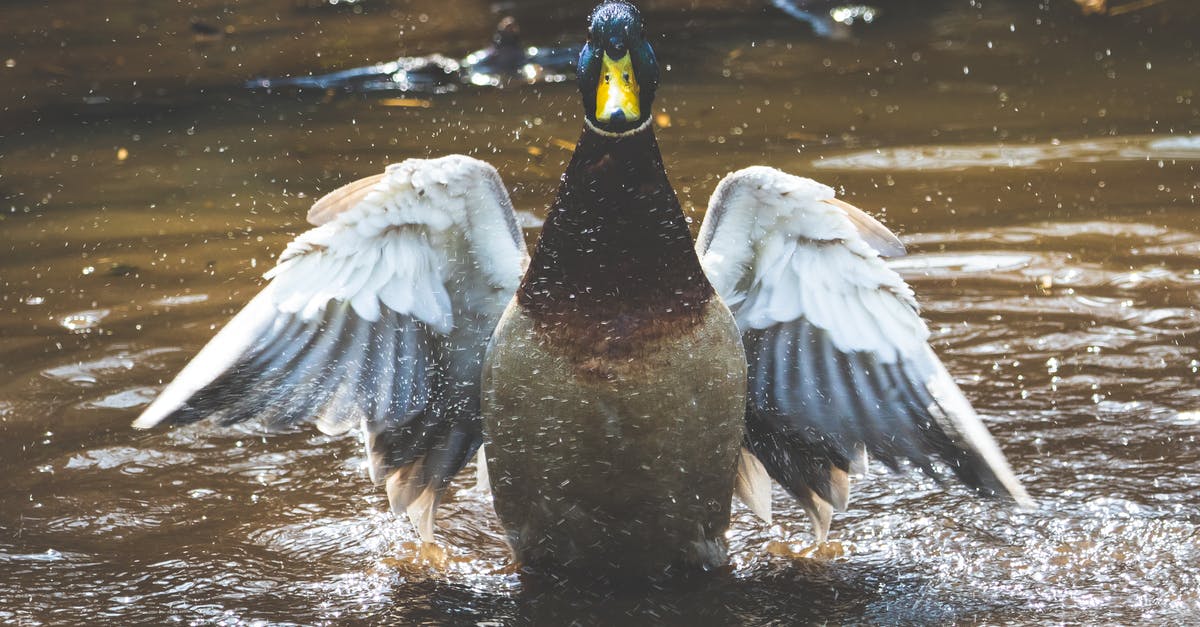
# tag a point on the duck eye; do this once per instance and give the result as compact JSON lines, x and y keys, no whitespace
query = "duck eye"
{"x":607,"y":78}
{"x":625,"y":76}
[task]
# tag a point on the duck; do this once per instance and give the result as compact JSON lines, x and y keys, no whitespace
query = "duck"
{"x":622,"y":383}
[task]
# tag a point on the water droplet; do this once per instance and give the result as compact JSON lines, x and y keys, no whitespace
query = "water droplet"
{"x":83,"y":321}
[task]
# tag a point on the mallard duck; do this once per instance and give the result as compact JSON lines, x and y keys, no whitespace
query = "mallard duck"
{"x":627,"y":380}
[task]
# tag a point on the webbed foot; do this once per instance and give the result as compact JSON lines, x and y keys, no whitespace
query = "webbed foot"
{"x":828,"y":550}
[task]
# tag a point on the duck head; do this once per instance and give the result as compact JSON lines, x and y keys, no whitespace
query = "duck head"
{"x":617,"y":70}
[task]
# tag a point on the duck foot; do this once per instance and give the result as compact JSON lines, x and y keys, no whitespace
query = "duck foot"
{"x":827,"y":550}
{"x":420,"y":556}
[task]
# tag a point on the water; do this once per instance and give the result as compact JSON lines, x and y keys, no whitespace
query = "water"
{"x":1042,"y":170}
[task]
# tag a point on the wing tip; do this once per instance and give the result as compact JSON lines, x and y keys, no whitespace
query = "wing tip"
{"x":820,"y":513}
{"x":1012,"y":490}
{"x":335,"y":202}
{"x":144,"y":423}
{"x":153,"y":416}
{"x":991,"y":477}
{"x":753,"y":485}
{"x":421,"y":507}
{"x":881,"y":238}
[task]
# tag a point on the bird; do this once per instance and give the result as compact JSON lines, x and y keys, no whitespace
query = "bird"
{"x":621,"y":384}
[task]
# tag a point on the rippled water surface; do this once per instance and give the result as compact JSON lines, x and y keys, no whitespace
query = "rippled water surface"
{"x":1041,"y":168}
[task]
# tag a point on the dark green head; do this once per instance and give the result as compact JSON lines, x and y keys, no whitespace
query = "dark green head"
{"x":617,"y":70}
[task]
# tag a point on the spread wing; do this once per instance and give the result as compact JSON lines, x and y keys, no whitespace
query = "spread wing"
{"x":839,"y":360}
{"x":376,"y":318}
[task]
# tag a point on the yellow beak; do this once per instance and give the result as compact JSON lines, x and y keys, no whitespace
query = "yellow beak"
{"x":618,"y":90}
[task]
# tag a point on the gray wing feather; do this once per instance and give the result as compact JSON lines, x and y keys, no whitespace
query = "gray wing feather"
{"x":800,"y":383}
{"x":376,"y":319}
{"x":837,"y":354}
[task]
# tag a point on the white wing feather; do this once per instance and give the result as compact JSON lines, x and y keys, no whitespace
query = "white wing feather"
{"x":378,"y":315}
{"x":838,"y":354}
{"x":787,"y":251}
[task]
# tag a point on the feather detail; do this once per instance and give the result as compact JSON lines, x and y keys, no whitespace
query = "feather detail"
{"x":838,"y":356}
{"x":376,"y":318}
{"x":873,"y":231}
{"x":341,"y":199}
{"x":753,"y":485}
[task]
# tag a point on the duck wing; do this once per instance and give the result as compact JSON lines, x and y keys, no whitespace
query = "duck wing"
{"x":376,"y":318}
{"x":839,"y":359}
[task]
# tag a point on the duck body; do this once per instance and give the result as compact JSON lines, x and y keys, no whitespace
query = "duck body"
{"x":615,"y":381}
{"x":628,"y":472}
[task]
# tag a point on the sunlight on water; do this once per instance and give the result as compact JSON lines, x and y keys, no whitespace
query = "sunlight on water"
{"x":83,"y":321}
{"x":95,"y":371}
{"x":1015,"y":155}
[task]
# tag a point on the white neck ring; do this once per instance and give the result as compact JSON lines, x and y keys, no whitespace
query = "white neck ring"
{"x":599,"y":131}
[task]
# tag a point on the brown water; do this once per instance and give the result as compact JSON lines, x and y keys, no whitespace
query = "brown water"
{"x":1043,"y":171}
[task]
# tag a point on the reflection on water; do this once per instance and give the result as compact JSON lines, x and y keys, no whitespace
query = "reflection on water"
{"x":959,"y":157}
{"x":504,"y":64}
{"x":1055,"y":249}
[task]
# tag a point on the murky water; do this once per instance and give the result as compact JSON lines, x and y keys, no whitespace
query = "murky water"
{"x":1043,"y":170}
